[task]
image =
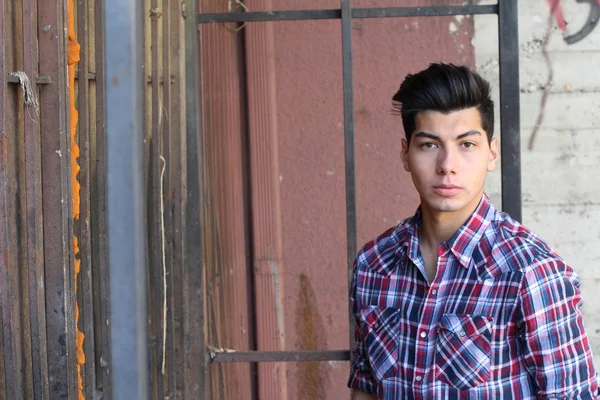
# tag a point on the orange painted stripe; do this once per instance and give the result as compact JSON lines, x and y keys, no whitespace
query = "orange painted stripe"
{"x":72,"y":59}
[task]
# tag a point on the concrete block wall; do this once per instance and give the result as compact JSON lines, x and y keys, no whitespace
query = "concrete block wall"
{"x":561,"y":166}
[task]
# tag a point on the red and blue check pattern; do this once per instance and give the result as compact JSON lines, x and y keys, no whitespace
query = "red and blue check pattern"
{"x":501,"y":319}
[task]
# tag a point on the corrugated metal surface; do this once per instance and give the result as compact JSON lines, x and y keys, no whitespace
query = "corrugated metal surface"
{"x":226,"y":216}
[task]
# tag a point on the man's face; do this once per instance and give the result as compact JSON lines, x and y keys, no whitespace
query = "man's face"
{"x":448,"y":158}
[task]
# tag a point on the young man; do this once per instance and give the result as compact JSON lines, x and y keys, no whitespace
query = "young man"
{"x":460,"y":301}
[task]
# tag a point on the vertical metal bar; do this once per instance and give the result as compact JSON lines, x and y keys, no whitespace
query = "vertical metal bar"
{"x":195,"y":374}
{"x":125,"y":203}
{"x":508,"y":37}
{"x":349,"y":141}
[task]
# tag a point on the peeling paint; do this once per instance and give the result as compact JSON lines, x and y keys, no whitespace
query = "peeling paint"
{"x":452,"y":28}
{"x":274,"y":267}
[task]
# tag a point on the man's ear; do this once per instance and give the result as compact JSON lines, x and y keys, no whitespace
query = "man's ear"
{"x":404,"y":155}
{"x":493,"y":155}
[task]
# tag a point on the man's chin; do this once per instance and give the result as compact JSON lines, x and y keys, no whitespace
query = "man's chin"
{"x":446,"y":205}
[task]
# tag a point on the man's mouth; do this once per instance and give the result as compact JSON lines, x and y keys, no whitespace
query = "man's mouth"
{"x":446,"y":190}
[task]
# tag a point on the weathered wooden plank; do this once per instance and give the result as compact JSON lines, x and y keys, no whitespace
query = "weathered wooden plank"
{"x":165,"y":122}
{"x":175,"y":91}
{"x":98,"y":207}
{"x":56,"y":189}
{"x":8,"y":225}
{"x":4,"y":250}
{"x":83,"y":225}
{"x":19,"y":276}
{"x":193,"y":290}
{"x":34,"y":296}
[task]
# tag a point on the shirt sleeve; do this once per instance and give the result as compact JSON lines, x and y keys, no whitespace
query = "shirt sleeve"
{"x":556,"y":349}
{"x":361,"y":377}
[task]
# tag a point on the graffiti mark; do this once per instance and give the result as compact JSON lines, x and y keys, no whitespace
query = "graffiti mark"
{"x":588,"y":27}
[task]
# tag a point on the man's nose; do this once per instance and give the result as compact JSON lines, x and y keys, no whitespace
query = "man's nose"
{"x":446,"y":161}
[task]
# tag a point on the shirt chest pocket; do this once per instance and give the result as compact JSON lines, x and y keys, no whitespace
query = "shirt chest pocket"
{"x":380,"y":332}
{"x":462,"y":357}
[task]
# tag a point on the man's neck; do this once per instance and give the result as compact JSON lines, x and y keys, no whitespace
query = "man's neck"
{"x":437,"y":227}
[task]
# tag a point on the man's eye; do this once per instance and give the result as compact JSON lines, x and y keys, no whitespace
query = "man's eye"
{"x":428,"y":145}
{"x":468,"y":145}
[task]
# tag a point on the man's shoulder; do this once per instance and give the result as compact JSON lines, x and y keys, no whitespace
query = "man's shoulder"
{"x":379,"y":252}
{"x":514,"y":242}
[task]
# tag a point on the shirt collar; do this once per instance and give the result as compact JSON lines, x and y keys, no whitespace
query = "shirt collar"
{"x":462,"y":243}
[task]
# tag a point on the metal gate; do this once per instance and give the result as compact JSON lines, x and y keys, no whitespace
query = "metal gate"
{"x":124,"y":134}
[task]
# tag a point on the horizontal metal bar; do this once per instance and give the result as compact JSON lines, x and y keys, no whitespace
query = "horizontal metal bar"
{"x":292,"y":15}
{"x":220,"y":355}
{"x":40,"y":80}
{"x":433,"y":11}
{"x":385,"y":12}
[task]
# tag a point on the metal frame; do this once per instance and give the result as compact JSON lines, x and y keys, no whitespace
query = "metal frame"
{"x":509,"y":110}
{"x":124,"y":38}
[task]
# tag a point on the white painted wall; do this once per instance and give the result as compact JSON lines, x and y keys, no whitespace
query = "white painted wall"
{"x":561,"y":173}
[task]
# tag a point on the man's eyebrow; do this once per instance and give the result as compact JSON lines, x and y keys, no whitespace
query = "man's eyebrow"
{"x":435,"y":137}
{"x":470,"y":133}
{"x":427,"y":135}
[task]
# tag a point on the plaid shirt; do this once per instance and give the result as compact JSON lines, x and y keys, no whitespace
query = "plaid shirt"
{"x":501,"y":319}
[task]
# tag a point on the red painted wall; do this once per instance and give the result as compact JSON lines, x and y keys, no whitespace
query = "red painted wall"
{"x":311,"y":157}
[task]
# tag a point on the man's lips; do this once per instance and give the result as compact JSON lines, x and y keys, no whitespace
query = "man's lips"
{"x":446,"y":190}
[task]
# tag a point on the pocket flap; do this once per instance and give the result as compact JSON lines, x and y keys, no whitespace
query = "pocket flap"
{"x":465,"y":325}
{"x":378,"y":317}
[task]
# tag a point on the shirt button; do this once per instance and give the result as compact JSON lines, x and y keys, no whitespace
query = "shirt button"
{"x":419,"y":378}
{"x":433,"y":291}
{"x":423,"y":334}
{"x":462,"y":334}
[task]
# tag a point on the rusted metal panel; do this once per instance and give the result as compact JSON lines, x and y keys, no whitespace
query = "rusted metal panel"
{"x":56,"y":189}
